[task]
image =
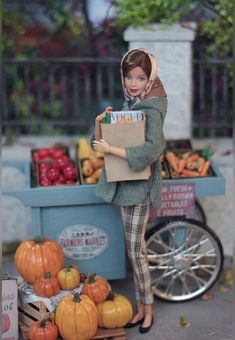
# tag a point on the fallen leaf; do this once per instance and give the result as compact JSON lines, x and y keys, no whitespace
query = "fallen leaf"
{"x":207,"y":296}
{"x":224,"y":288}
{"x":227,"y":277}
{"x":184,"y":322}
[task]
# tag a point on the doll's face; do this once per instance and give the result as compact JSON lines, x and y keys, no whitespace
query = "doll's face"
{"x":136,"y":81}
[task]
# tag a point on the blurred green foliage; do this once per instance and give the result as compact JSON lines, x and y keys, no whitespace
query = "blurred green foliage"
{"x":142,"y":12}
{"x":63,"y":19}
{"x":217,"y":32}
{"x":220,"y":30}
{"x":22,"y":40}
{"x":70,"y":33}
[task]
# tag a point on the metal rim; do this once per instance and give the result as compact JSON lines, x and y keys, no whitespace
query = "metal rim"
{"x":185,"y":258}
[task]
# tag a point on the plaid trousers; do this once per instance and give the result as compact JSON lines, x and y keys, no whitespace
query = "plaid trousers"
{"x":135,"y":218}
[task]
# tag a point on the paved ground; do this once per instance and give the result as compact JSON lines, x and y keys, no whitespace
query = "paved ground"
{"x":209,"y":319}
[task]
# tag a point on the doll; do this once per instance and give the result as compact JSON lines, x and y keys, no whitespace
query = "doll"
{"x":143,"y":90}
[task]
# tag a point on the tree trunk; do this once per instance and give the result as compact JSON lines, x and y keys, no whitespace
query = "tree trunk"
{"x":89,"y":27}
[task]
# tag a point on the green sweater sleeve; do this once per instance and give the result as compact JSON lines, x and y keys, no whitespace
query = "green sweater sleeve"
{"x":140,"y":157}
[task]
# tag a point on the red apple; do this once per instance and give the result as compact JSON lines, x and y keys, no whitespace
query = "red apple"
{"x":61,"y":163}
{"x":44,"y":167}
{"x":61,"y":179}
{"x":70,"y":172}
{"x":45,"y":182}
{"x":69,"y":182}
{"x":53,"y":174}
{"x":57,"y":182}
{"x":57,"y":153}
{"x":43,"y":153}
{"x":42,"y":175}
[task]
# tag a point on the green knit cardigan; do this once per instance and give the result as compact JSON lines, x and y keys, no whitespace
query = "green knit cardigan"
{"x":127,"y":193}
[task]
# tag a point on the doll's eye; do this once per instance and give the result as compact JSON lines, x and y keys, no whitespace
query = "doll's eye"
{"x":142,"y":78}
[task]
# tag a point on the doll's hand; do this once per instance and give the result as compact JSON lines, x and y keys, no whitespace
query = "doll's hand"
{"x":100,"y":117}
{"x":101,"y":146}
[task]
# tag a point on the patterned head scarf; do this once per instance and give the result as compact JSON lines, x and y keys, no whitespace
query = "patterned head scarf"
{"x":154,"y":87}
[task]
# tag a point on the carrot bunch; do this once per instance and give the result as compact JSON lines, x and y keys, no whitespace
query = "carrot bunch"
{"x":188,"y":164}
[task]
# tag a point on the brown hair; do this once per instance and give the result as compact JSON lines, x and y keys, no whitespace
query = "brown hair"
{"x":134,"y":59}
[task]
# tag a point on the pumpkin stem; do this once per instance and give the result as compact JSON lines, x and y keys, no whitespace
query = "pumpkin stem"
{"x":68,"y":268}
{"x":47,"y":275}
{"x":43,"y":323}
{"x":38,"y":240}
{"x":91,"y":278}
{"x":110,"y":296}
{"x":76,"y":297}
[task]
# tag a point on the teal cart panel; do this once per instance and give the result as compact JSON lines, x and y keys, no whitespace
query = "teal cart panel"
{"x":107,"y":218}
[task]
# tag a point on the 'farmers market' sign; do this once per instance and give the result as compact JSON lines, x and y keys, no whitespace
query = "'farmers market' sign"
{"x":83,"y":241}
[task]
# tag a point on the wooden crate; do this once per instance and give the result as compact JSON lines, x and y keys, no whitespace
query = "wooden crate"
{"x":34,"y":311}
{"x":115,"y":334}
{"x":102,"y":333}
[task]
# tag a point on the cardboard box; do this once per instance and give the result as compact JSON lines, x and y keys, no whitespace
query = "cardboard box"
{"x":123,"y":135}
{"x":9,"y":309}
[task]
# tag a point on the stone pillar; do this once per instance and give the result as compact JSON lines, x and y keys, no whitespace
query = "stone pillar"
{"x":172,"y":46}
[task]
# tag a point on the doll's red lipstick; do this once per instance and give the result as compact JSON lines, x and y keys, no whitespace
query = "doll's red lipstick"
{"x":133,"y":91}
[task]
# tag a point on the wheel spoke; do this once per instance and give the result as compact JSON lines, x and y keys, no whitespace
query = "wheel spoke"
{"x":192,"y":248}
{"x":159,"y":267}
{"x":164,"y":275}
{"x":188,"y":237}
{"x":199,"y":281}
{"x":205,"y":254}
{"x":164,"y":244}
{"x":170,"y":285}
{"x":173,"y":236}
{"x":204,"y":267}
{"x":197,"y":245}
{"x":184,"y":286}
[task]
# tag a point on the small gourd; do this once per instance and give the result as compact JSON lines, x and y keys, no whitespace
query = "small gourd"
{"x":46,"y":285}
{"x":43,"y":330}
{"x":96,"y":287}
{"x":69,"y":278}
{"x":114,"y":312}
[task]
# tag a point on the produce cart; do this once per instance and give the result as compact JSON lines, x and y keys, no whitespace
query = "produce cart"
{"x":185,"y":256}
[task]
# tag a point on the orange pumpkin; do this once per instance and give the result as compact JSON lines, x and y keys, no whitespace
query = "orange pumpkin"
{"x":69,"y":278}
{"x":33,"y":258}
{"x":76,"y":317}
{"x":96,"y":287}
{"x":46,"y":285}
{"x":43,"y":330}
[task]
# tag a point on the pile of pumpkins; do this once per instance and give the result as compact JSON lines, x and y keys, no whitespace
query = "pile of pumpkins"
{"x":77,"y":316}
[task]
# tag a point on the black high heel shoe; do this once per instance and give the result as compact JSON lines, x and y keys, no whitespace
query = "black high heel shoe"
{"x":146,"y":329}
{"x":134,"y":324}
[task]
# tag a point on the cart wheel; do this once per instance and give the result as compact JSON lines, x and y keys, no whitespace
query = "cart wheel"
{"x":185,"y":259}
{"x":199,"y":213}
